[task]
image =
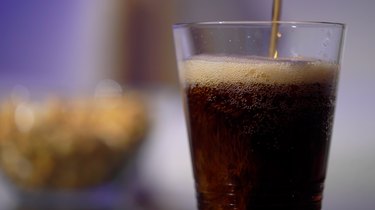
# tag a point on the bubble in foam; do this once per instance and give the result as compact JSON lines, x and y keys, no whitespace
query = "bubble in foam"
{"x":213,"y":70}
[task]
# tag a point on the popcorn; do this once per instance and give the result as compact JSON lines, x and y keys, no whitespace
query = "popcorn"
{"x":69,"y":144}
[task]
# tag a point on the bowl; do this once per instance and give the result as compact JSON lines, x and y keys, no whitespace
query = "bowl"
{"x":65,"y":144}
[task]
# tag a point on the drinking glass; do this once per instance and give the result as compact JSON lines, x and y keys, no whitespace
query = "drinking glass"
{"x":259,"y":118}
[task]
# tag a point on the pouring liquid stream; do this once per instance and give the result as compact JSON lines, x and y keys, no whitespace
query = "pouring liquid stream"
{"x":275,"y":34}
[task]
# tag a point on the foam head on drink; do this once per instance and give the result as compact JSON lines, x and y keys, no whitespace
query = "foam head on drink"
{"x":211,"y":70}
{"x":259,"y":130}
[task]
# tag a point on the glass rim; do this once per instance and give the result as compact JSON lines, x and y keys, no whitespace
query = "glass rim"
{"x":257,"y":23}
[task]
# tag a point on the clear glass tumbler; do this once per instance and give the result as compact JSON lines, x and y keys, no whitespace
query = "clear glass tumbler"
{"x":259,"y":119}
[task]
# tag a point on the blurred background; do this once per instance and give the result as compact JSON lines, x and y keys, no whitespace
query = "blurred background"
{"x":71,"y":45}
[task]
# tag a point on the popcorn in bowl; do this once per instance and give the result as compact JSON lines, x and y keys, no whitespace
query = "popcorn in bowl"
{"x":69,"y":144}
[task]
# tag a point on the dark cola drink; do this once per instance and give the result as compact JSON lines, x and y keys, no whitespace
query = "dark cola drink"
{"x":259,"y":131}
